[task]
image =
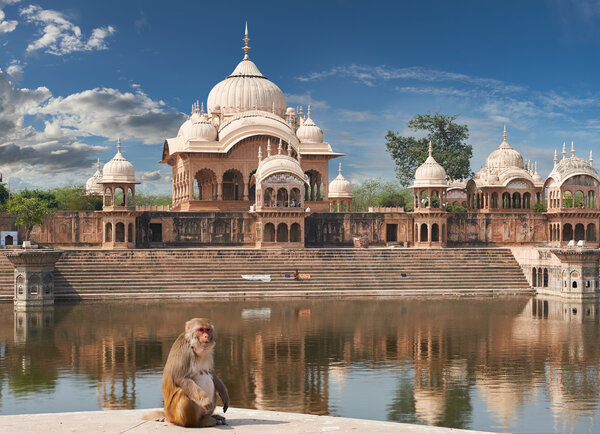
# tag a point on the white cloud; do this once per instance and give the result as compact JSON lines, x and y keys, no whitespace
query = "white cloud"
{"x":60,"y":36}
{"x":354,"y":116}
{"x":7,"y":26}
{"x":306,"y":99}
{"x":15,"y":70}
{"x":150,"y":176}
{"x":371,"y":75}
{"x":111,"y":113}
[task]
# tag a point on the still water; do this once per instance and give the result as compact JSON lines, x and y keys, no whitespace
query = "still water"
{"x":500,"y":364}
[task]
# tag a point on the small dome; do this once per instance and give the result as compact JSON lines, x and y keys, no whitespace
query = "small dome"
{"x":430,"y":173}
{"x":118,"y":169}
{"x":570,"y":167}
{"x":202,"y":129}
{"x":278,"y":163}
{"x":504,"y":157}
{"x":289,"y":111}
{"x":93,"y":186}
{"x":309,"y":132}
{"x":340,"y":187}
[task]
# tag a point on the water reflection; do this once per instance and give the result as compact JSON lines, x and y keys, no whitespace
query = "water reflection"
{"x":516,"y":364}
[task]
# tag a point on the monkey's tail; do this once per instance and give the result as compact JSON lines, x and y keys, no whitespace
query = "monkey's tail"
{"x":155,"y":416}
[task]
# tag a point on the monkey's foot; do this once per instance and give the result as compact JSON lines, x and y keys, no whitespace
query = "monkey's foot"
{"x":220,"y":419}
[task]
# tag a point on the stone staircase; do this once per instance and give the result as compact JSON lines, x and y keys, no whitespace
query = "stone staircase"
{"x":191,"y":272}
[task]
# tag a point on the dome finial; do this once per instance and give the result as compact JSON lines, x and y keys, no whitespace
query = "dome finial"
{"x":246,"y":48}
{"x":98,"y":163}
{"x":268,"y":147}
{"x":308,"y":113}
{"x":340,"y":168}
{"x":119,"y":144}
{"x":505,"y":133}
{"x":279,"y":147}
{"x":572,"y":149}
{"x":259,"y":153}
{"x":430,"y":149}
{"x":591,"y":158}
{"x":564,"y":152}
{"x":202,"y":109}
{"x":555,"y":157}
{"x":535,"y":168}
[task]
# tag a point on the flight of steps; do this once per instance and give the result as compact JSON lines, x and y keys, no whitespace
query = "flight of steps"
{"x":185,"y":272}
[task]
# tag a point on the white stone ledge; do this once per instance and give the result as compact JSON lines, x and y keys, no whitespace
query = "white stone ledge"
{"x":239,"y":421}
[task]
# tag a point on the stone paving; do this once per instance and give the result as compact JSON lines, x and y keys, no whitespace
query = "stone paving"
{"x":238,"y":421}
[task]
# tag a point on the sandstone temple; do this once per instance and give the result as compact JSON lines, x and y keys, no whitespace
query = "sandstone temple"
{"x":248,"y":171}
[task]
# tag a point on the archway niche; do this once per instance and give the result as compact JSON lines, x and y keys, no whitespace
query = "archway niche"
{"x":424,"y":232}
{"x":120,"y":232}
{"x":269,"y":233}
{"x":282,"y":197}
{"x":295,"y":233}
{"x":567,"y":232}
{"x":590,"y":233}
{"x":269,"y":199}
{"x":108,"y":233}
{"x":579,"y":232}
{"x":435,"y":233}
{"x":282,"y":233}
{"x":233,"y":185}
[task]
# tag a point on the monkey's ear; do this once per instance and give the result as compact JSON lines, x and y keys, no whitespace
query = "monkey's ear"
{"x":190,"y":324}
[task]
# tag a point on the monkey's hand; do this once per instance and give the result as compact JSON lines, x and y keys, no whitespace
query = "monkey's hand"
{"x":207,"y":406}
{"x":222,"y":391}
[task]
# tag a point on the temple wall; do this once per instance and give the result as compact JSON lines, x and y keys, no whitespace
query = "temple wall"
{"x":189,"y":229}
{"x":71,"y":229}
{"x":540,"y":258}
{"x":340,"y":229}
{"x":497,"y":229}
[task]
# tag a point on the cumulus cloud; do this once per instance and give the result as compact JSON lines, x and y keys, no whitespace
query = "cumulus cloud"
{"x":60,"y":36}
{"x":7,"y":26}
{"x":60,"y":146}
{"x":15,"y":70}
{"x":150,"y":176}
{"x":111,"y":113}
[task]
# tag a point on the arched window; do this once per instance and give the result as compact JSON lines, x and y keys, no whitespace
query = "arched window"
{"x":205,"y":185}
{"x":526,"y":200}
{"x":282,"y":197}
{"x":505,"y":200}
{"x":295,"y":197}
{"x":120,"y":232}
{"x":567,"y":232}
{"x":269,"y":199}
{"x":269,"y":233}
{"x":539,"y":277}
{"x":516,"y":200}
{"x":545,"y":277}
{"x":567,"y":200}
{"x":424,"y":232}
{"x":435,"y":232}
{"x":130,"y":233}
{"x":252,"y":188}
{"x":579,"y":232}
{"x":233,"y":185}
{"x":313,"y":189}
{"x":424,"y":200}
{"x":295,"y":233}
{"x":590,"y":233}
{"x":534,"y":276}
{"x":108,"y":233}
{"x":494,"y":200}
{"x":107,"y":196}
{"x":578,"y":199}
{"x":282,"y":233}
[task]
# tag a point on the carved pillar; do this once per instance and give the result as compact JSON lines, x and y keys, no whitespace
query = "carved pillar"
{"x":245,"y":191}
{"x":34,"y":277}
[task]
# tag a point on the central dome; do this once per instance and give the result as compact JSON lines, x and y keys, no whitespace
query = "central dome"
{"x":246,"y":89}
{"x":504,"y":157}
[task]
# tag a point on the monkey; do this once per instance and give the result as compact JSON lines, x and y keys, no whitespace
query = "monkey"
{"x":190,"y":385}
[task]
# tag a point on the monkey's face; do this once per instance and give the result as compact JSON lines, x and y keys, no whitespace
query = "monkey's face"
{"x":200,"y":332}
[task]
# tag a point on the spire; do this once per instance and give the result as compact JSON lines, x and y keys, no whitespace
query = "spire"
{"x":591,"y":158}
{"x":202,"y":109}
{"x":289,"y":149}
{"x":430,"y":149}
{"x":505,"y":133}
{"x":259,"y":153}
{"x":98,"y":163}
{"x":564,"y":152}
{"x":279,"y":147}
{"x":268,"y":147}
{"x":308,"y":114}
{"x":555,"y":157}
{"x":535,"y":168}
{"x":119,"y":144}
{"x":246,"y":48}
{"x":340,"y":169}
{"x":572,"y":149}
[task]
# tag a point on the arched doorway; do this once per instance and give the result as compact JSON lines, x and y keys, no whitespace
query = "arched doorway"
{"x":205,"y":185}
{"x":295,"y":233}
{"x":567,"y":232}
{"x":233,"y":185}
{"x":579,"y":232}
{"x":424,"y":232}
{"x":435,"y":233}
{"x":269,"y":233}
{"x":108,"y":233}
{"x":120,"y":232}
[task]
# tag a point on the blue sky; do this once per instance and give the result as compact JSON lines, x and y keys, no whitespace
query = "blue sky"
{"x":77,"y":74}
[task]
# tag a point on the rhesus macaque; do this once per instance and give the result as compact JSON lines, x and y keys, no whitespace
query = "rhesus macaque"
{"x":190,"y":385}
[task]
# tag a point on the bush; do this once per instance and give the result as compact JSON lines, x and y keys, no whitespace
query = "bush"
{"x":539,"y":207}
{"x":456,"y":208}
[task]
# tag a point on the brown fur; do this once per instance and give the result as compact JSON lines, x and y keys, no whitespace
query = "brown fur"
{"x":186,"y":403}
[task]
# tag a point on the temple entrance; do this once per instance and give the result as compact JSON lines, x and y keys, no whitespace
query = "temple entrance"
{"x":391,"y":232}
{"x":155,"y":233}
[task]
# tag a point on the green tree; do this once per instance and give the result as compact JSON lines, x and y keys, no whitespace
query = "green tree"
{"x":29,"y":211}
{"x":73,"y":198}
{"x":3,"y":195}
{"x":147,"y":199}
{"x":375,"y":192}
{"x":449,"y":146}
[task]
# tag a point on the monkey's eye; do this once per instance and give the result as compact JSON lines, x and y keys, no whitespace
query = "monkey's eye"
{"x":205,"y":330}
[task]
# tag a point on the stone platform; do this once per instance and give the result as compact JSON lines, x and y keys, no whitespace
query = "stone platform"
{"x":238,"y":421}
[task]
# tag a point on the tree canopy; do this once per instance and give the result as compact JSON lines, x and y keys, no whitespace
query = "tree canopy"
{"x":450,"y":148}
{"x":375,"y":192}
{"x":29,"y":211}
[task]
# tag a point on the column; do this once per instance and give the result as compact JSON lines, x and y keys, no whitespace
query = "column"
{"x":245,"y":190}
{"x":220,"y":189}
